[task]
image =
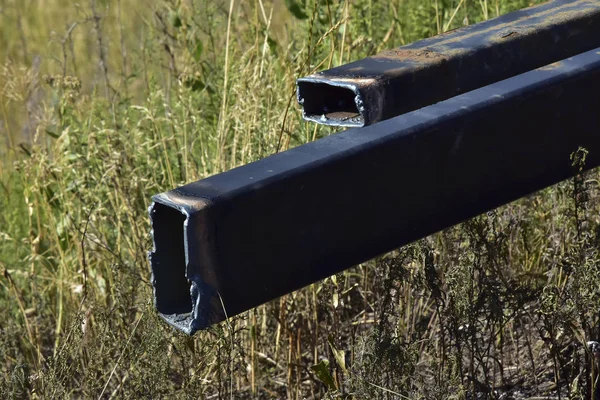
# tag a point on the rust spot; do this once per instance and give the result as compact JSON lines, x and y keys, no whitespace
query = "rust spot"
{"x":421,"y":55}
{"x":342,"y":115}
{"x":360,"y":68}
{"x":552,"y":66}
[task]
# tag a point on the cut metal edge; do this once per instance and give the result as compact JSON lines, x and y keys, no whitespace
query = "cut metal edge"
{"x":200,"y":293}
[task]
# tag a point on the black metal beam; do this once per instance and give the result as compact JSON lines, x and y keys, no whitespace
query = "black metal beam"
{"x":425,"y":72}
{"x":233,"y":241}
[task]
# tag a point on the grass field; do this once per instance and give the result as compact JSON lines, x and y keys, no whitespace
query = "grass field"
{"x":104,"y":103}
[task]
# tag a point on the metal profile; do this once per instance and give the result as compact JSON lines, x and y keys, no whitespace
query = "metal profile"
{"x":425,"y":72}
{"x":233,"y":241}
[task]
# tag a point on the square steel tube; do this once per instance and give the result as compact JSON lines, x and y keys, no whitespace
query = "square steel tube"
{"x":397,"y":81}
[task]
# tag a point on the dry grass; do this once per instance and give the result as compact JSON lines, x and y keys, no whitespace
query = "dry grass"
{"x":105,"y":103}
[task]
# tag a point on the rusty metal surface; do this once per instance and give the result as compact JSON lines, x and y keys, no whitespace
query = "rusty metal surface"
{"x":422,"y":73}
{"x":233,"y":241}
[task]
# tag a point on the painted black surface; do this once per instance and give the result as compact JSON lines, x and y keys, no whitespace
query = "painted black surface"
{"x":270,"y":227}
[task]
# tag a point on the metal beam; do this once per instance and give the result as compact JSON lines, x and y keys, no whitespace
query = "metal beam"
{"x":425,"y":72}
{"x":235,"y":240}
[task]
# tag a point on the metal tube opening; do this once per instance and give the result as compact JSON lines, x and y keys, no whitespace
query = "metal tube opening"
{"x":171,"y":287}
{"x":330,"y":103}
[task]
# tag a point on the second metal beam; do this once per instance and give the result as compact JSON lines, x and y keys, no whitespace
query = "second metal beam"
{"x":425,"y":72}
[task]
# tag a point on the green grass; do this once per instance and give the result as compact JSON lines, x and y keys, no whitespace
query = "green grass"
{"x":105,"y":103}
